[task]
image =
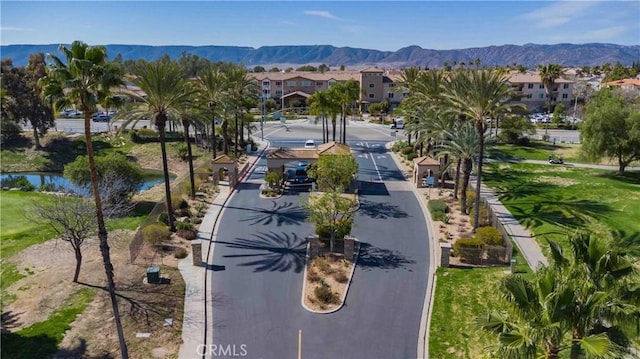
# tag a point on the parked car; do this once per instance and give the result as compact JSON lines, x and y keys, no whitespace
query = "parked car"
{"x":553,"y":159}
{"x":398,"y":123}
{"x":299,"y":175}
{"x":100,"y":118}
{"x":310,"y":144}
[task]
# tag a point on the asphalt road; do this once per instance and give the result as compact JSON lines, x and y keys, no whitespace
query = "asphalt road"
{"x":76,"y":125}
{"x":259,"y":263}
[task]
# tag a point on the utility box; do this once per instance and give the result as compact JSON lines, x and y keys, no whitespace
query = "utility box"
{"x":153,"y":275}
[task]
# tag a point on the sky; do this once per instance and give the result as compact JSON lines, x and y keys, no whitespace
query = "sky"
{"x":380,"y":25}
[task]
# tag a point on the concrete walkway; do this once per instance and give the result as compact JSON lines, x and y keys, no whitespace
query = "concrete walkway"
{"x":198,"y":296}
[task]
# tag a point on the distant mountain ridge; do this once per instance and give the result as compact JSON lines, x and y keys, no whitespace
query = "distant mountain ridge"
{"x":529,"y":55}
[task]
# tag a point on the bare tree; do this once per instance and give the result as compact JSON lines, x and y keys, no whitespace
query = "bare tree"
{"x":72,"y":219}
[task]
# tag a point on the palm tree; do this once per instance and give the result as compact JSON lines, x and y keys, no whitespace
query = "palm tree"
{"x":549,"y":73}
{"x":211,"y":89}
{"x":167,"y":95}
{"x":477,"y":95}
{"x":575,"y":305}
{"x":462,"y":142}
{"x":189,"y":117}
{"x":345,"y":93}
{"x":239,"y":86}
{"x":321,"y":103}
{"x":84,"y":79}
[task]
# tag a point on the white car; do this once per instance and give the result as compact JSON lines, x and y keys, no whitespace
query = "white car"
{"x":310,"y":144}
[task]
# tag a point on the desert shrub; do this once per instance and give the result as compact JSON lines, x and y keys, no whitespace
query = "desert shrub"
{"x":182,"y":151}
{"x":188,"y":234}
{"x":156,"y":233}
{"x":313,"y":276}
{"x":483,"y":218}
{"x":438,"y":209}
{"x":407,"y":150}
{"x":163,"y":218}
{"x":179,"y":202}
{"x":489,"y":235}
{"x":411,"y":156}
{"x":340,"y":277}
{"x":468,"y":249}
{"x":184,"y":225}
{"x":471,"y":200}
{"x":495,"y":254}
{"x":324,"y":294}
{"x":197,"y":220}
{"x":180,"y":253}
{"x":144,"y":135}
{"x":201,"y":207}
{"x":323,"y":264}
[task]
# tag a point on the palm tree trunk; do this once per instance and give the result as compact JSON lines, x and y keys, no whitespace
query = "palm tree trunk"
{"x":409,"y":138}
{"x":225,"y":137}
{"x":185,"y":124}
{"x":36,"y":138}
{"x":103,"y":235}
{"x":340,"y":130}
{"x":213,"y":137}
{"x":344,"y":129}
{"x":468,"y":163}
{"x":323,"y":129}
{"x":333,"y":123}
{"x":235,"y":136}
{"x":476,"y":211}
{"x":161,"y":123}
{"x":457,"y":179}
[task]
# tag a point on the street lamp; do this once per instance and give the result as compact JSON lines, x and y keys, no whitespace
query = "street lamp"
{"x":262,"y":118}
{"x":212,"y":105}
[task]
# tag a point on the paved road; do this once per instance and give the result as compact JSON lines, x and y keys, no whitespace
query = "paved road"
{"x":259,"y":262}
{"x":76,"y":125}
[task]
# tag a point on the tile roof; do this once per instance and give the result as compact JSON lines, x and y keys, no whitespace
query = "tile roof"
{"x":333,"y":148}
{"x":426,"y":161}
{"x":623,"y":82}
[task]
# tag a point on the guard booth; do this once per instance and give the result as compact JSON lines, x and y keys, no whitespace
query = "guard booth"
{"x":225,"y":171}
{"x":425,"y":167}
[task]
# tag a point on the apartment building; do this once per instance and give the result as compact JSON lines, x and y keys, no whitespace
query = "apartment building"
{"x":534,"y":95}
{"x":376,"y":85}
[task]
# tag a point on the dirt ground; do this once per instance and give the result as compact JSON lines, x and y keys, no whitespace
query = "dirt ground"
{"x":156,"y":309}
{"x":330,"y":269}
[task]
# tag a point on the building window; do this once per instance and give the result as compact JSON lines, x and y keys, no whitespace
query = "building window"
{"x":372,"y":85}
{"x":278,"y":93}
{"x":318,"y":83}
{"x":392,"y":85}
{"x":541,"y":86}
{"x":291,"y":83}
{"x":330,"y":83}
{"x":265,"y":83}
{"x":305,"y":83}
{"x":390,"y":94}
{"x":530,"y":86}
{"x":541,"y":96}
{"x":565,"y":95}
{"x":370,"y":95}
{"x":565,"y":86}
{"x":278,"y":83}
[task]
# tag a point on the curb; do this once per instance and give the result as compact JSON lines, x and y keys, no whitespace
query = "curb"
{"x":344,"y":295}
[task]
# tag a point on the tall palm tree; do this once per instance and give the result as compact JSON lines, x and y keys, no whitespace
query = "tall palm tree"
{"x":238,"y":86}
{"x":549,"y":73}
{"x":190,"y":117}
{"x":462,"y":142}
{"x":211,"y":89}
{"x":321,"y":103}
{"x":345,"y":93}
{"x":167,"y":95}
{"x":477,"y":95}
{"x":85,"y":78}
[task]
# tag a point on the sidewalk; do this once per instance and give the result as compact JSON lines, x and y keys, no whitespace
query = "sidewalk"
{"x":197,"y":297}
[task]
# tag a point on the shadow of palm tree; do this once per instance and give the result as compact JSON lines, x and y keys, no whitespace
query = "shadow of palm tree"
{"x":10,"y":320}
{"x":374,"y":257}
{"x":627,"y":177}
{"x":370,"y":188}
{"x":381,"y":210}
{"x":271,"y":251}
{"x":283,"y":213}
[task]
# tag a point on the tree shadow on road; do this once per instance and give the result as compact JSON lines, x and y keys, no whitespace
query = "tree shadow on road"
{"x":282,"y":213}
{"x":375,"y":257}
{"x":381,"y":210}
{"x":270,"y":251}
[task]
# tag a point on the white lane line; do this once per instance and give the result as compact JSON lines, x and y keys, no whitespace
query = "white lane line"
{"x":374,"y":164}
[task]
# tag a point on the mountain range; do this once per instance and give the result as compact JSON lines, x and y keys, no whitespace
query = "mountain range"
{"x":529,"y":55}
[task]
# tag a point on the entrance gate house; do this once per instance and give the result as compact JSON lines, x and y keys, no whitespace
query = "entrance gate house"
{"x":277,"y":158}
{"x":423,"y":168}
{"x":225,"y":169}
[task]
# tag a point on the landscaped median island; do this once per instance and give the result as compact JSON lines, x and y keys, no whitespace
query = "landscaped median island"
{"x":327,"y":279}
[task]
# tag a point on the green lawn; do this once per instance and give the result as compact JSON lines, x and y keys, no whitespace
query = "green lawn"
{"x":555,"y":201}
{"x":537,"y":150}
{"x":40,"y":340}
{"x":461,"y":296}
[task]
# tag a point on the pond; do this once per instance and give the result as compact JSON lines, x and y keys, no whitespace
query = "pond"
{"x":58,"y":181}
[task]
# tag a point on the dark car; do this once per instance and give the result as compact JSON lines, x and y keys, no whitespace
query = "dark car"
{"x":100,"y":118}
{"x":299,"y":175}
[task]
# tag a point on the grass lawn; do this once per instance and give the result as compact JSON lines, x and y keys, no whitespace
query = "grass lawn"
{"x":461,"y":296}
{"x":40,"y":340}
{"x":537,"y":150}
{"x":554,"y":201}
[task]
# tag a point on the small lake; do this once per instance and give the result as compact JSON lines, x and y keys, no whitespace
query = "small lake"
{"x":57,"y":180}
